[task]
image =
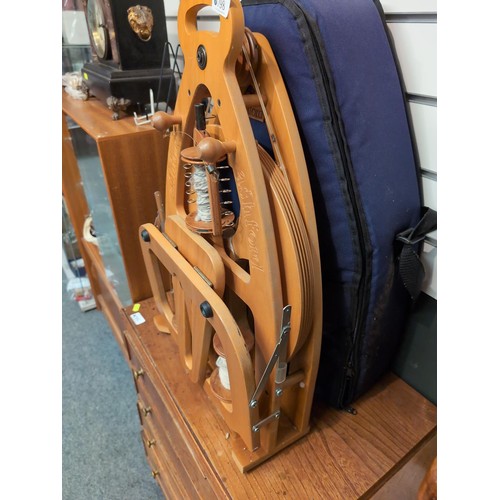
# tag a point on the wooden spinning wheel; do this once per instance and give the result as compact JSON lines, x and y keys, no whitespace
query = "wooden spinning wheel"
{"x":235,"y":270}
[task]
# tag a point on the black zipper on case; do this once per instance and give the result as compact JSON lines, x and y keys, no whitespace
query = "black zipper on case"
{"x":350,"y":368}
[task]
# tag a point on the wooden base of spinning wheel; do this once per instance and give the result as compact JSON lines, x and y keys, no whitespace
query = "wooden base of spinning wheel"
{"x":219,"y":390}
{"x":245,"y":458}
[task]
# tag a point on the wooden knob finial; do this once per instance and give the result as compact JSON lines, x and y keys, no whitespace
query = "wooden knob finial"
{"x":162,"y":121}
{"x":212,"y":150}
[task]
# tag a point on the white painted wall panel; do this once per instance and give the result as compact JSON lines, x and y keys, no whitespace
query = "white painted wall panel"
{"x":171,"y":7}
{"x":429,"y":187}
{"x":424,"y":119}
{"x":207,"y":11}
{"x":208,"y":24}
{"x":417,"y":54}
{"x":409,"y":6}
{"x":432,"y":236}
{"x":429,"y":260}
{"x":173,"y":37}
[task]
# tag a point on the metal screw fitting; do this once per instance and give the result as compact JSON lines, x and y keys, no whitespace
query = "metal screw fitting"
{"x":253,"y":403}
{"x":145,"y":236}
{"x":279,"y":392}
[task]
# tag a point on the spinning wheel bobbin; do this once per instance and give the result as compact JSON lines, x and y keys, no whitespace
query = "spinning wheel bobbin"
{"x":202,"y":160}
{"x":219,"y":379}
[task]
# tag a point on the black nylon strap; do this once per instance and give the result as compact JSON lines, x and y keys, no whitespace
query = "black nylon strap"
{"x":411,"y":269}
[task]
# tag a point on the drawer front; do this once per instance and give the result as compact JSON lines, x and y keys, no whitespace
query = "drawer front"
{"x":154,"y":463}
{"x":169,"y":432}
{"x":164,"y":463}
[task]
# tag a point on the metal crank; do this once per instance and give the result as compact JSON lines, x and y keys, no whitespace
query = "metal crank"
{"x":279,"y":356}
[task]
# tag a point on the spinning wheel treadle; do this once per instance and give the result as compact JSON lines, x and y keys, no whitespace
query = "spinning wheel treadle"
{"x":236,"y":273}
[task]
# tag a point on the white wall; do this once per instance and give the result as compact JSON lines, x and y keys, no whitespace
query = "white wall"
{"x":171,"y":8}
{"x":413,"y":26}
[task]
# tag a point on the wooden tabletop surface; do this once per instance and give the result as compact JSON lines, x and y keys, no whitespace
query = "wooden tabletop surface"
{"x":96,"y":119}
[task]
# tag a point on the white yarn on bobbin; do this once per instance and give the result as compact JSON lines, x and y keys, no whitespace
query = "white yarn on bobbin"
{"x":200,"y":186}
{"x":223,"y":372}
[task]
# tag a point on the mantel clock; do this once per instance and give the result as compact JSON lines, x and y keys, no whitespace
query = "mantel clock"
{"x":129,"y":45}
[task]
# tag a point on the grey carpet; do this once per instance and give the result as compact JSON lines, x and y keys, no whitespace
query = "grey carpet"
{"x":102,"y":452}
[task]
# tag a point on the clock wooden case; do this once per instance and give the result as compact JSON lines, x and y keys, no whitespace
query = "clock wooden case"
{"x":129,"y":45}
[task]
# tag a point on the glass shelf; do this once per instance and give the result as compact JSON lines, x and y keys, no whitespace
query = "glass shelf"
{"x":74,"y":57}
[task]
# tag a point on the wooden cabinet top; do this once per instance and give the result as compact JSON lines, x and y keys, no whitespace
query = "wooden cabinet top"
{"x":96,"y":119}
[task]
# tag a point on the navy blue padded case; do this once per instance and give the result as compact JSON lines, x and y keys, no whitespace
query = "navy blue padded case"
{"x":343,"y":80}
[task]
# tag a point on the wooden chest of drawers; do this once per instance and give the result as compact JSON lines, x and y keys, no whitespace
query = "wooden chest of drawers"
{"x":344,"y":456}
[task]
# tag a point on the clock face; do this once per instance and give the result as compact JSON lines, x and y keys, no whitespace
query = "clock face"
{"x":97,"y":28}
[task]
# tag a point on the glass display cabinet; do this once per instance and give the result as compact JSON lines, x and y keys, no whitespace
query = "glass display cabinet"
{"x":75,"y":39}
{"x":110,"y":172}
